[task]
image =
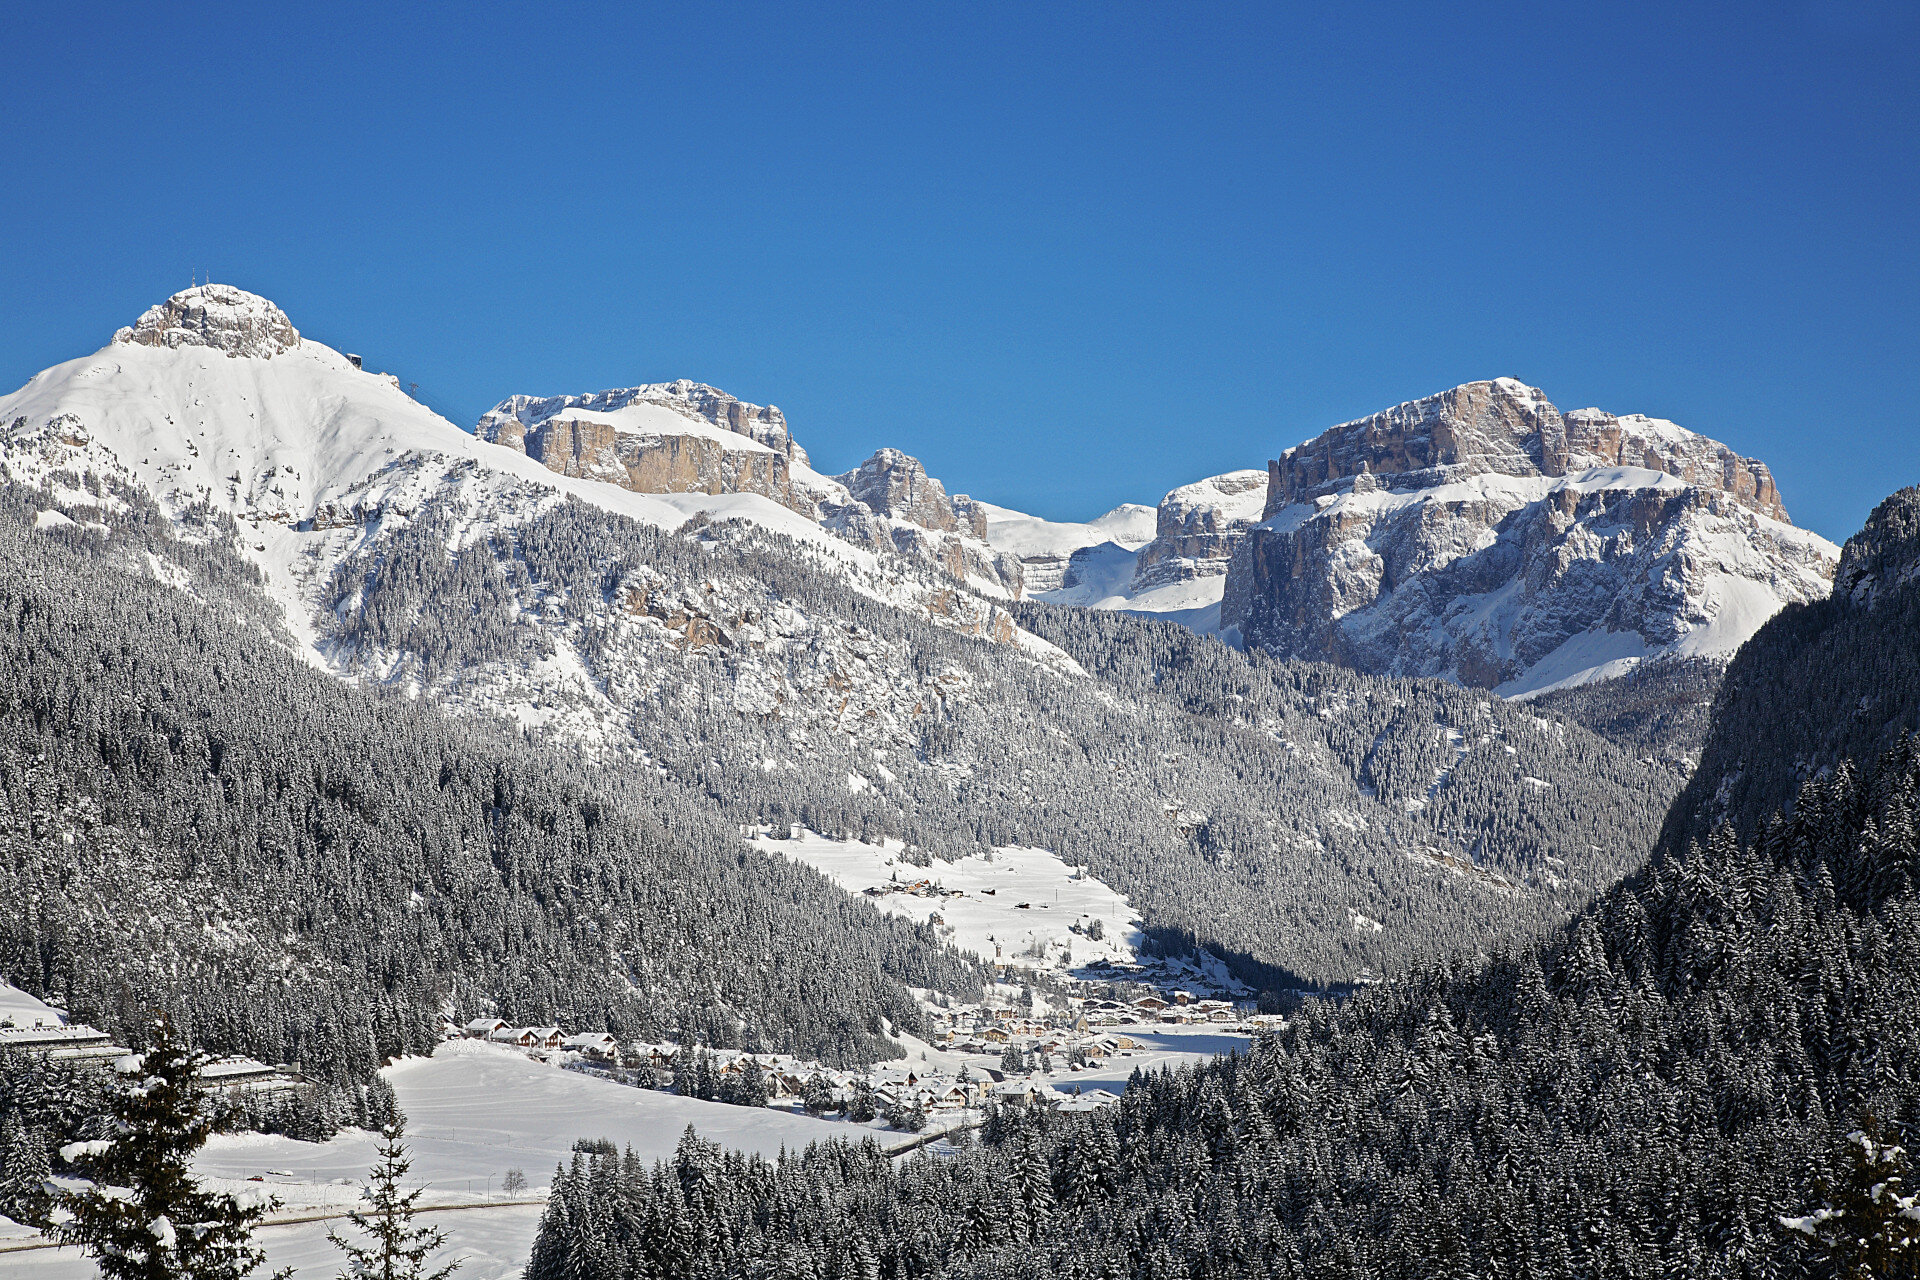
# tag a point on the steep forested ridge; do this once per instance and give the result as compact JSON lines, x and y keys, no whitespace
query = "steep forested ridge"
{"x":192,"y":820}
{"x":1662,"y":708}
{"x":1824,"y":682}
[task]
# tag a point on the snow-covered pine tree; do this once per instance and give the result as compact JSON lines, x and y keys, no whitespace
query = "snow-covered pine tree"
{"x":146,"y":1217}
{"x":24,"y":1172}
{"x":1870,"y":1225}
{"x":397,"y":1250}
{"x":817,"y":1096}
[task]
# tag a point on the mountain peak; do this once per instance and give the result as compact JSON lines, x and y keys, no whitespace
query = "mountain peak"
{"x":218,"y":316}
{"x":1506,"y":427}
{"x":1884,"y":555}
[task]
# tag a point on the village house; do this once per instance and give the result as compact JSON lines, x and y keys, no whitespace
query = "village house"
{"x":597,"y":1045}
{"x":59,"y":1042}
{"x":244,"y":1075}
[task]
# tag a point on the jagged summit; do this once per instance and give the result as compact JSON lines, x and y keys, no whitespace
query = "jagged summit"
{"x":1484,"y":536}
{"x":694,"y":401}
{"x":1505,"y":427}
{"x":1885,"y":555}
{"x":218,"y":316}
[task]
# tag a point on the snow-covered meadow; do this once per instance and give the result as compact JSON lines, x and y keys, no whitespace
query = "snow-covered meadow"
{"x":473,"y":1111}
{"x":1020,"y":905}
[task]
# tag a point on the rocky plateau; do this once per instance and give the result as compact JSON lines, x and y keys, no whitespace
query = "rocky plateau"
{"x":1484,"y":536}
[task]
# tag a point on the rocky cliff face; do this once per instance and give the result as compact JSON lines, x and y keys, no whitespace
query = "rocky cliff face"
{"x":1198,"y":527}
{"x":687,"y":437}
{"x":893,"y":484}
{"x":1484,"y":536}
{"x":1884,"y":556}
{"x":890,"y":503}
{"x":219,"y":316}
{"x":694,"y":401}
{"x":1504,"y":427}
{"x":674,"y":437}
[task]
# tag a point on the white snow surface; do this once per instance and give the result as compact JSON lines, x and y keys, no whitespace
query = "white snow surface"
{"x":1017,"y":903}
{"x":473,"y":1111}
{"x":1235,"y":495}
{"x":491,"y":1243}
{"x":1129,"y":525}
{"x":1106,"y":582}
{"x":26,"y":1011}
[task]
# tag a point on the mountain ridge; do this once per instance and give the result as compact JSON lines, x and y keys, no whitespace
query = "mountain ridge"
{"x":792,"y":676}
{"x":1483,"y":536}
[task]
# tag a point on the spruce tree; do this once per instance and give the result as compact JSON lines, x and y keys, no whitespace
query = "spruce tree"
{"x":146,"y":1217}
{"x":398,"y":1250}
{"x":24,"y":1172}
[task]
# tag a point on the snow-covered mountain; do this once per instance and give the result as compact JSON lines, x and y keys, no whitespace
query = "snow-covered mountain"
{"x":1045,"y":547}
{"x":214,"y":404}
{"x":1169,"y":561}
{"x":826,"y":655}
{"x":1484,"y":536}
{"x":674,"y":437}
{"x":1479,"y":535}
{"x":687,"y":437}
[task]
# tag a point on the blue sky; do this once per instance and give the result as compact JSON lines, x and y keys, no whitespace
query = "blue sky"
{"x":1069,"y":256}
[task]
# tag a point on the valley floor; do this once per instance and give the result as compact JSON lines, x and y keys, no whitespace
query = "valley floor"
{"x":476,"y":1110}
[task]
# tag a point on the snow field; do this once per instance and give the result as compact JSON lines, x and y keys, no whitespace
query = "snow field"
{"x":473,"y":1111}
{"x":24,"y":1010}
{"x":1005,"y":907}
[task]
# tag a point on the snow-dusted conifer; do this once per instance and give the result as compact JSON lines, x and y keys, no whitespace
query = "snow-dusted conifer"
{"x":146,"y":1217}
{"x":396,"y":1249}
{"x":24,"y":1171}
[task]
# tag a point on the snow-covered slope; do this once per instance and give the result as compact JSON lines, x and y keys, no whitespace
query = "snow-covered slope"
{"x":1168,"y":560}
{"x":1045,"y":546}
{"x":1017,"y":906}
{"x":216,"y":406}
{"x":23,"y":1010}
{"x":1482,"y":536}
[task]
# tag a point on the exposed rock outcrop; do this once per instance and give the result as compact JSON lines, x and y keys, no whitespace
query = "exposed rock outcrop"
{"x":218,"y":316}
{"x":890,"y":503}
{"x":1198,"y":527}
{"x":687,"y":437}
{"x":1885,"y":555}
{"x":895,"y":485}
{"x":695,"y":401}
{"x":1484,"y":536}
{"x":675,"y":437}
{"x":1505,"y":427}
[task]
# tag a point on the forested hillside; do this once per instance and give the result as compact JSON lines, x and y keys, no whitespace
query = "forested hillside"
{"x":1649,"y":1095}
{"x":1662,"y":708}
{"x":1256,"y":806}
{"x":193,"y":820}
